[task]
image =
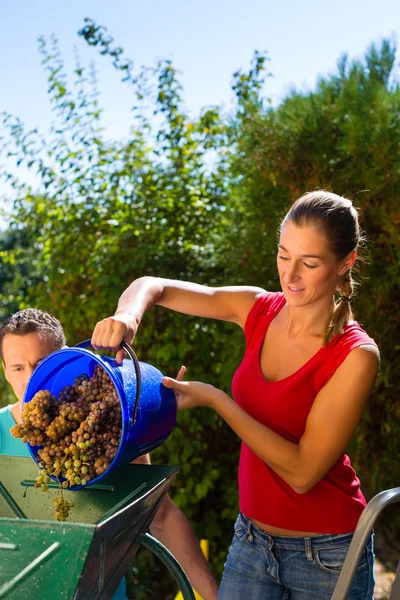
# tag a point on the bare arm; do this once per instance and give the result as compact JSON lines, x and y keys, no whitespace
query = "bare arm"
{"x":231,"y":303}
{"x":171,"y":527}
{"x":335,"y":414}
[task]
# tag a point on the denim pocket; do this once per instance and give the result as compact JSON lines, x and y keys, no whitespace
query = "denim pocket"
{"x":331,"y":560}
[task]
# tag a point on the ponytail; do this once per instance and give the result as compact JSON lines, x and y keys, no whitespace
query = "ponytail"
{"x":342,"y":313}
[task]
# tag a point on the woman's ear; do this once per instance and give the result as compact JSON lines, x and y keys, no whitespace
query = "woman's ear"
{"x":347,"y":263}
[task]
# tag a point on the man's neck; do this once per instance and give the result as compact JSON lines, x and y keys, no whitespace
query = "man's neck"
{"x":16,"y":411}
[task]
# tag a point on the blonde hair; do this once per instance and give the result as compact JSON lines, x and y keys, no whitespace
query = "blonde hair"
{"x":337,"y":219}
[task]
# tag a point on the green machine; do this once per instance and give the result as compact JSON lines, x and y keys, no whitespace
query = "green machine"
{"x":85,"y":557}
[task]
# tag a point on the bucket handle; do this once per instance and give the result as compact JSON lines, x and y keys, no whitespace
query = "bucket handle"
{"x":136,"y":364}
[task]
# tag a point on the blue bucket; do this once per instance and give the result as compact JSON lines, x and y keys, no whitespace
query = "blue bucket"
{"x":148,"y":408}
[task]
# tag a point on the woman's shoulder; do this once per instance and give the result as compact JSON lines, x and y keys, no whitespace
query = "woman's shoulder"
{"x":266,"y":303}
{"x":353,"y":333}
{"x":352,"y":337}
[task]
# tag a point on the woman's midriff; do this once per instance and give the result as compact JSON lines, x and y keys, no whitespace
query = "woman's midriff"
{"x":279,"y":531}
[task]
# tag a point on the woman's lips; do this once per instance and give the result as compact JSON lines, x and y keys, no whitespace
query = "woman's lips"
{"x":295,"y":290}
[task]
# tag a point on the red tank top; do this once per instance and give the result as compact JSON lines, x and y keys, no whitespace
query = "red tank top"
{"x":335,"y":503}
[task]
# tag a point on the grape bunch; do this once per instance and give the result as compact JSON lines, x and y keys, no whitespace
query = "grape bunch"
{"x":79,"y":432}
{"x":62,"y":506}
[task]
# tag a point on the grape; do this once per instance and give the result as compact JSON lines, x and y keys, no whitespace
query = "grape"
{"x":78,"y":433}
{"x":62,"y":506}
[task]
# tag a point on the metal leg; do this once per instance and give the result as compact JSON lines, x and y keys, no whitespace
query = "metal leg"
{"x":171,"y":563}
{"x":361,"y":534}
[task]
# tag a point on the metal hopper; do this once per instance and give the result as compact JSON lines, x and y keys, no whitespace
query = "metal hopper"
{"x":85,"y":557}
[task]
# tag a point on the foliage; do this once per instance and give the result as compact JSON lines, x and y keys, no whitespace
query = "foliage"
{"x":343,"y":136}
{"x":200,"y":199}
{"x":108,"y":212}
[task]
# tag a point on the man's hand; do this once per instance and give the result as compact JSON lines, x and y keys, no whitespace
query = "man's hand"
{"x":110,"y":332}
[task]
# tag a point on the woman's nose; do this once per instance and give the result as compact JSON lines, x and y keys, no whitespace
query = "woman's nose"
{"x":292,"y":272}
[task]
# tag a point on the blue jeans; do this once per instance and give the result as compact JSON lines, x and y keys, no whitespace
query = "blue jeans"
{"x":266,"y":567}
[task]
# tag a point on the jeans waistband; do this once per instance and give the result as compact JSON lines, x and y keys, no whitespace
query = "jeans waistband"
{"x":295,"y":542}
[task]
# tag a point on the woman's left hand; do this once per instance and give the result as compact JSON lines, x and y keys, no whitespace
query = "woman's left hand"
{"x":190,"y":394}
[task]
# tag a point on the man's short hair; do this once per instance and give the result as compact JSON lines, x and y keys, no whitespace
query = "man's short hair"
{"x":32,"y":320}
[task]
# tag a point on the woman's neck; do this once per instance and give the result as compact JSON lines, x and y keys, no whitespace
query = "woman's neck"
{"x":308,"y":320}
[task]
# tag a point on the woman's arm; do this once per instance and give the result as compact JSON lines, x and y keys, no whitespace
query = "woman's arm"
{"x":231,"y":303}
{"x":335,"y":414}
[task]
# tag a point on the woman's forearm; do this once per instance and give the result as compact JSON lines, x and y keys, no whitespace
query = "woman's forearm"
{"x":277,"y":452}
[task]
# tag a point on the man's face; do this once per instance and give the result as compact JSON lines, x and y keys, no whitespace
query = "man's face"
{"x":21,"y":355}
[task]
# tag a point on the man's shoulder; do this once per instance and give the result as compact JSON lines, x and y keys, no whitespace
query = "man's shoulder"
{"x":6,"y":420}
{"x":5,"y":412}
{"x":10,"y":445}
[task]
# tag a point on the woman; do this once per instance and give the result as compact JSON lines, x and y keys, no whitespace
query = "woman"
{"x":299,"y":394}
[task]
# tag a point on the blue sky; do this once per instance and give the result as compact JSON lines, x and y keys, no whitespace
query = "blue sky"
{"x":207,"y":41}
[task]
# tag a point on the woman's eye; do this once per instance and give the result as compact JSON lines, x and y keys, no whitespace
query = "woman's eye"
{"x":283,"y":257}
{"x":310,"y":266}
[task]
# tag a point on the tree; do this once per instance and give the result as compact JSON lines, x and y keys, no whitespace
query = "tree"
{"x":108,"y":211}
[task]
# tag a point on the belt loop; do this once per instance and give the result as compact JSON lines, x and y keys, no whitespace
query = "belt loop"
{"x":308,"y":548}
{"x":249,"y":534}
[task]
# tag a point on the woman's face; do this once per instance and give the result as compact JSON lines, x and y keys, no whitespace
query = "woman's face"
{"x":308,"y":270}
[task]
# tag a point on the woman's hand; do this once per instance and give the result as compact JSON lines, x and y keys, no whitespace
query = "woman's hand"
{"x":110,"y":332}
{"x":190,"y":394}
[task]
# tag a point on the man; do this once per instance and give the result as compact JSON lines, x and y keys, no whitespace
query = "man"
{"x":26,"y":339}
